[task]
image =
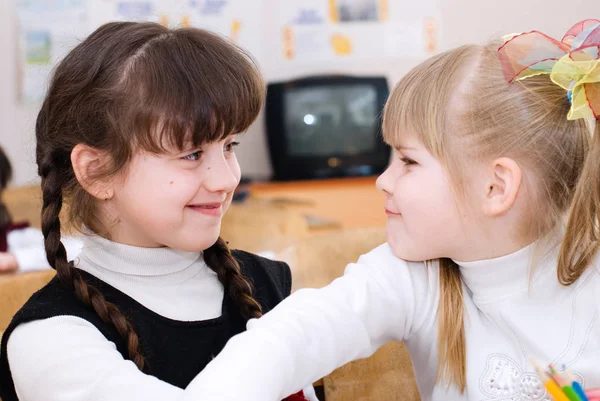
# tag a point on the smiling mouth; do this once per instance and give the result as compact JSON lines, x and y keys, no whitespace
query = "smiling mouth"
{"x":390,"y":213}
{"x":211,"y":209}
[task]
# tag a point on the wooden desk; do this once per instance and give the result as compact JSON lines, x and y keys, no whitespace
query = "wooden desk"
{"x":351,"y":202}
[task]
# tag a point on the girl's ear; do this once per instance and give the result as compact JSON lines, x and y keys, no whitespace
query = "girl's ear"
{"x":503,"y":181}
{"x":87,"y":162}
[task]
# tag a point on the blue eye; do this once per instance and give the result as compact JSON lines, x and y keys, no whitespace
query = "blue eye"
{"x":231,"y":146}
{"x":193,"y":156}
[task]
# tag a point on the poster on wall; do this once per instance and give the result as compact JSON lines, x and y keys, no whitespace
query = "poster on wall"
{"x":327,"y":30}
{"x":305,"y":30}
{"x":48,"y":29}
{"x":273,"y":31}
{"x":347,"y":11}
{"x":239,"y":20}
{"x":242,"y":21}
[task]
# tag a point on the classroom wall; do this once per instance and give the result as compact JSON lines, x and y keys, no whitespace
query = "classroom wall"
{"x":462,"y":21}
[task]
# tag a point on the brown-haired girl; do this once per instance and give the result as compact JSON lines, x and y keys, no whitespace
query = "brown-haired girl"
{"x":493,"y":205}
{"x":137,"y":135}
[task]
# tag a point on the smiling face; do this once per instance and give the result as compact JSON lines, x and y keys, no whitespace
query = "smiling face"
{"x":424,"y":220}
{"x":175,"y":199}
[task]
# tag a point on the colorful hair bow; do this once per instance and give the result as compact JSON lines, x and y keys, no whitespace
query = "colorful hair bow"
{"x":573,"y":63}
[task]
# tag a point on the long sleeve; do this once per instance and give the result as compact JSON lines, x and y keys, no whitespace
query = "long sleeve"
{"x":380,"y":298}
{"x":66,"y":358}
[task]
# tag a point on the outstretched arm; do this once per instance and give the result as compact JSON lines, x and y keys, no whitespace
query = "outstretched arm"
{"x":313,"y":332}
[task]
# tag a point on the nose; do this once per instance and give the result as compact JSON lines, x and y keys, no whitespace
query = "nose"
{"x":221,"y":176}
{"x":384,"y":182}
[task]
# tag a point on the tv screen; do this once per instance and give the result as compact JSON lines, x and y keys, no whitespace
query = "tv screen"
{"x":326,"y":126}
{"x":338,"y":120}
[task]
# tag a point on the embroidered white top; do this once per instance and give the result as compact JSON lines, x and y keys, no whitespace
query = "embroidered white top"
{"x":511,"y":317}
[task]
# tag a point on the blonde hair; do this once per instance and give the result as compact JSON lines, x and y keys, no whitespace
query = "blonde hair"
{"x":459,"y":103}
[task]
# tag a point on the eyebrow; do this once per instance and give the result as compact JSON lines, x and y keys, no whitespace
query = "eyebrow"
{"x":404,"y":148}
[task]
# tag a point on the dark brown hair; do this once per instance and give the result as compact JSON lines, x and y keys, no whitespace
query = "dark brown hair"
{"x":131,"y":86}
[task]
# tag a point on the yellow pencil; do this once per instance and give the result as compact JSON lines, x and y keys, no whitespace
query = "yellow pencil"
{"x":563,"y":383}
{"x":551,"y":387}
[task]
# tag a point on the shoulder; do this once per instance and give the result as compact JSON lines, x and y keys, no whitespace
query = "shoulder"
{"x":383,"y":262}
{"x":268,"y":277}
{"x":54,"y":310}
{"x":52,"y":300}
{"x":415,"y":286}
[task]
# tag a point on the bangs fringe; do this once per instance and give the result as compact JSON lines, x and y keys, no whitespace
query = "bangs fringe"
{"x":195,"y":96}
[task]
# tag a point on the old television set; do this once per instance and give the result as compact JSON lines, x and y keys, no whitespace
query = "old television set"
{"x":326,"y":126}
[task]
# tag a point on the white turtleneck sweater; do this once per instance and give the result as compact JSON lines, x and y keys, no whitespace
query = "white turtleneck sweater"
{"x":67,"y":358}
{"x":510,"y":318}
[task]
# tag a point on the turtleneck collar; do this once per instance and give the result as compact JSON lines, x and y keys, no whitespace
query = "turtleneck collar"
{"x":135,"y":261}
{"x":490,"y":280}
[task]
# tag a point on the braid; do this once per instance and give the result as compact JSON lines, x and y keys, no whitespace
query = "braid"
{"x":68,"y":275}
{"x":219,"y":258}
{"x":109,"y":313}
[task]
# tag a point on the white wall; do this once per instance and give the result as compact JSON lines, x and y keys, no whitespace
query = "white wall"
{"x":16,"y":123}
{"x":463,"y":21}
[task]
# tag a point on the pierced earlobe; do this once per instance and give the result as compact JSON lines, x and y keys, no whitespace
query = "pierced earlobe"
{"x":106,"y":196}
